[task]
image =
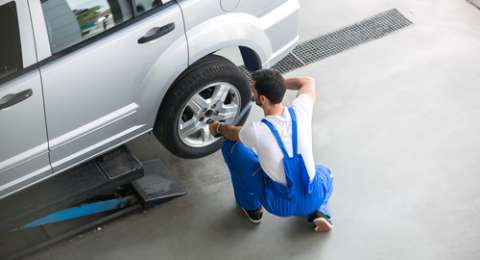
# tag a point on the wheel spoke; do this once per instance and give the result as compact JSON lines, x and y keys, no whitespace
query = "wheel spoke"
{"x":197,"y":103}
{"x":190,"y":127}
{"x":206,"y":136}
{"x":220,"y":93}
{"x":228,"y":111}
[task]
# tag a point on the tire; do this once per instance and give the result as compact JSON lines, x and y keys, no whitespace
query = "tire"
{"x":188,"y":105}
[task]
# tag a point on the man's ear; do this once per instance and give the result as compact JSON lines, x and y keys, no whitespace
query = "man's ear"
{"x":262,"y":99}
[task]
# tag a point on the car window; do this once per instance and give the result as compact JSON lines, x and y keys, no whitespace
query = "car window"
{"x":72,"y":21}
{"x":10,"y":48}
{"x":142,"y":6}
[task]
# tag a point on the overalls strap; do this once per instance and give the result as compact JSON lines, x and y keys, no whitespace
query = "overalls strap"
{"x":277,"y":137}
{"x":294,"y":130}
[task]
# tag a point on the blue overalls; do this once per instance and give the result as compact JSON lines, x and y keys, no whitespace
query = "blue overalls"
{"x":253,"y":187}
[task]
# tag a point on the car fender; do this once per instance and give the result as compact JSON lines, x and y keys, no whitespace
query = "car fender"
{"x":229,"y":30}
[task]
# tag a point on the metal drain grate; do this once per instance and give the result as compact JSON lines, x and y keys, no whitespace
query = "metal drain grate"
{"x":290,"y":62}
{"x":336,"y":42}
{"x":475,"y":3}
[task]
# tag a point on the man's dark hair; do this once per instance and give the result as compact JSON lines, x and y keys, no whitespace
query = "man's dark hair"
{"x":271,"y":84}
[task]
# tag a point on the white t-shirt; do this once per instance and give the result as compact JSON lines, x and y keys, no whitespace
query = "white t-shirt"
{"x":258,"y":136}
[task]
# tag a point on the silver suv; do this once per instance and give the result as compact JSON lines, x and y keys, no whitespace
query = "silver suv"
{"x":80,"y":77}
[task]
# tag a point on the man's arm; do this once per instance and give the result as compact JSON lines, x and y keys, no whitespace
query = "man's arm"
{"x":304,"y":85}
{"x":230,"y":132}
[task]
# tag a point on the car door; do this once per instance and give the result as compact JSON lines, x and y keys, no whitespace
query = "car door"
{"x":23,"y":138}
{"x":95,"y":56}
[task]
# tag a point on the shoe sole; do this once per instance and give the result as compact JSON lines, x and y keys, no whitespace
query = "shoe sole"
{"x":322,"y":225}
{"x":249,"y":218}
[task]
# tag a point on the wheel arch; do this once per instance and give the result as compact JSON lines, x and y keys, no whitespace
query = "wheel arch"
{"x":237,"y":30}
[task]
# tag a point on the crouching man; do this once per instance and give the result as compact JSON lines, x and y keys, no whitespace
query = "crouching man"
{"x":271,"y":161}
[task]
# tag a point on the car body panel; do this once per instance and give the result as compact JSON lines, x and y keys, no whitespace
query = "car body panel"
{"x":23,"y":138}
{"x":271,"y":34}
{"x":101,"y":105}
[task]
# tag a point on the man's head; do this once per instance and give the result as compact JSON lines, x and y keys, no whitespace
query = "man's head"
{"x":268,"y":87}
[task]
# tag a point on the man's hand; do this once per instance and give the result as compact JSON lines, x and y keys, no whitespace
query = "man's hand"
{"x":214,"y":128}
{"x":230,"y":132}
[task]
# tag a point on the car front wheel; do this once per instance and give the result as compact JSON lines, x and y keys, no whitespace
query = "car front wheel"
{"x":212,"y":88}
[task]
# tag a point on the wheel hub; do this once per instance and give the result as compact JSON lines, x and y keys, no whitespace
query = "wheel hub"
{"x":209,"y":113}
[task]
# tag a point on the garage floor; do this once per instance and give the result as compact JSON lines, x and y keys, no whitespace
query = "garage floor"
{"x":398,"y":121}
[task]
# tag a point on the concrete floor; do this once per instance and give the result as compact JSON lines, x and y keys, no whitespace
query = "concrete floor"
{"x":398,"y":121}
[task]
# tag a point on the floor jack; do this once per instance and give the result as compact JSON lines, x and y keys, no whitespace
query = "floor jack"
{"x":80,"y":200}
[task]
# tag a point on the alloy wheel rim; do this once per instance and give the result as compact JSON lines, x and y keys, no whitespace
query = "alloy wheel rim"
{"x":219,"y":101}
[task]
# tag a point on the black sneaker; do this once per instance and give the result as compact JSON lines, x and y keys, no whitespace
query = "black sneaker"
{"x":321,"y":222}
{"x":255,"y":216}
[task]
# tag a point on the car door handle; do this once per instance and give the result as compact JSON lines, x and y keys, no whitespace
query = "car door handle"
{"x":12,"y":99}
{"x":156,"y":32}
